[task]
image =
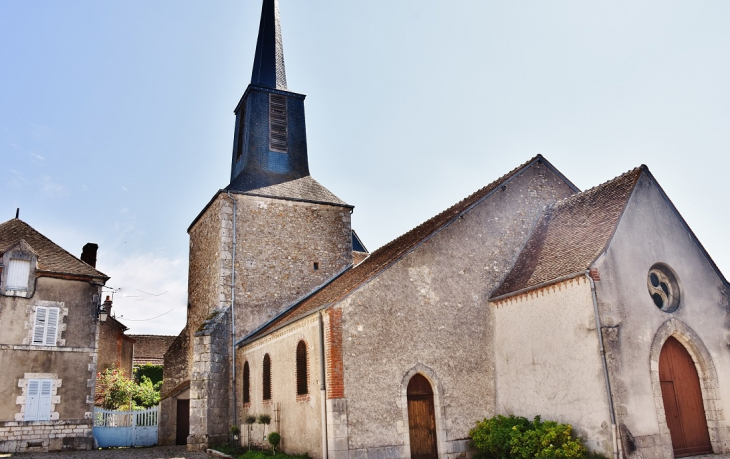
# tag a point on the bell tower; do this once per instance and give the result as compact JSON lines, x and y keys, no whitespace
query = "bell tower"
{"x":270,"y":140}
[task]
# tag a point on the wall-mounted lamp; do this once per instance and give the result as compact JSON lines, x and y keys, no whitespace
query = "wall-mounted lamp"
{"x":103,"y":310}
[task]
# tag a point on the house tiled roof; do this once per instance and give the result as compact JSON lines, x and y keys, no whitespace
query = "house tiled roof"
{"x":151,"y":348}
{"x":382,"y":258}
{"x":51,"y":257}
{"x":301,"y":189}
{"x":570,"y":235}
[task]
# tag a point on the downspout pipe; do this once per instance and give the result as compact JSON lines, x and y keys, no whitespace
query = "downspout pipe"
{"x":614,"y":430}
{"x":233,"y":315}
{"x":322,"y":386}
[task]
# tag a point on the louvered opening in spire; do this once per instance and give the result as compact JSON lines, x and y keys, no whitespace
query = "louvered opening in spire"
{"x":268,"y":66}
{"x":277,"y":123}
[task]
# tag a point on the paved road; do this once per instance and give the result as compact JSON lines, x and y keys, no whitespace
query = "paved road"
{"x":157,"y":452}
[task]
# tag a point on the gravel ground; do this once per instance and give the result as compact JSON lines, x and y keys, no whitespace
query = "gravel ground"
{"x":156,"y":452}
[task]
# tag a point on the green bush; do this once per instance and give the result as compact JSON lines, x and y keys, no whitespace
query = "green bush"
{"x":274,"y":439}
{"x":146,"y":393}
{"x":153,"y":372}
{"x":515,"y":437}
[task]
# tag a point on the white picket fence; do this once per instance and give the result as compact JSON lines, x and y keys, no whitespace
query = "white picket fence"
{"x":126,"y":428}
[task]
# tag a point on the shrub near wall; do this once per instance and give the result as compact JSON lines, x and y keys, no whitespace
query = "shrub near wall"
{"x":515,"y":437}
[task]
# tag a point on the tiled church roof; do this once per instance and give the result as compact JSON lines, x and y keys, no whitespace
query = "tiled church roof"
{"x":383,"y":257}
{"x":51,"y":257}
{"x":571,"y":234}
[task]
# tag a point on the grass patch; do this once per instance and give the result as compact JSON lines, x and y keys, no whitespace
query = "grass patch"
{"x":266,"y":454}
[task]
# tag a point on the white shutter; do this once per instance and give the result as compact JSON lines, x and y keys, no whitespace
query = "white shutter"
{"x":44,"y":401}
{"x":51,"y":327}
{"x":18,"y":272}
{"x":31,"y":399}
{"x":39,"y":329}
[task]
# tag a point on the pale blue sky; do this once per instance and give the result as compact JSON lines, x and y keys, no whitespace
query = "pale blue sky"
{"x":116,"y":120}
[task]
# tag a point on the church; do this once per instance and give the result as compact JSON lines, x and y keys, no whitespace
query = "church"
{"x":597,"y":308}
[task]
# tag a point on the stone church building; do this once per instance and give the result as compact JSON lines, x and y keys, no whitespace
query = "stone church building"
{"x":598,"y":308}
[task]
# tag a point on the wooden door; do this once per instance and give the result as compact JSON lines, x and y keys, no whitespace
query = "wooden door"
{"x":683,"y":401}
{"x":421,"y":418}
{"x":183,"y":422}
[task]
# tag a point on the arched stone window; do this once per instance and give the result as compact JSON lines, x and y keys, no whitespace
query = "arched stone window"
{"x":246,"y":383}
{"x":267,"y":377}
{"x":302,"y":379}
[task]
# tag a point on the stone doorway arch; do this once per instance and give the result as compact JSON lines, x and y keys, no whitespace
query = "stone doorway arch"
{"x":438,"y":405}
{"x":707,"y":376}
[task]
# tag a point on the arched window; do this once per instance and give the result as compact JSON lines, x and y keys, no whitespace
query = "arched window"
{"x":302,"y":379}
{"x":246,"y":384}
{"x":267,"y":377}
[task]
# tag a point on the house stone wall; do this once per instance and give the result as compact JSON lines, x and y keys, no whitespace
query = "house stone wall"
{"x":548,"y":362}
{"x":297,"y":418}
{"x":635,"y":329}
{"x":428,"y":313}
{"x":72,"y":363}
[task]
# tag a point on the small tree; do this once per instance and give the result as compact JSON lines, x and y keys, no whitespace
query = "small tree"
{"x":274,"y":439}
{"x":265,"y":419}
{"x":250,"y":420}
{"x":118,"y":390}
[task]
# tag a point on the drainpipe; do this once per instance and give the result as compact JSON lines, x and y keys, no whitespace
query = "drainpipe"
{"x":322,"y":387}
{"x":614,"y":431}
{"x":233,"y":315}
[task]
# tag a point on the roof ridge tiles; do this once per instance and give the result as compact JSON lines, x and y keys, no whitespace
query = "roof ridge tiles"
{"x":458,"y":203}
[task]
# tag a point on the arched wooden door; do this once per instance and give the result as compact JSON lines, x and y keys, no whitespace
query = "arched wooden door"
{"x":683,"y":401}
{"x":421,"y":418}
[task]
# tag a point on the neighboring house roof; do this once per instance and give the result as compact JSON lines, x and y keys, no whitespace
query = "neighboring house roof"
{"x":386,"y":255}
{"x":51,"y":257}
{"x":570,"y":235}
{"x":151,"y":348}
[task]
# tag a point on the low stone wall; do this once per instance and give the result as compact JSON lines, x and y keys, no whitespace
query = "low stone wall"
{"x":44,"y":436}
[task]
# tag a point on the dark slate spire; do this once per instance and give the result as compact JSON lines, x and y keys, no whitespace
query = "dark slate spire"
{"x":268,"y":65}
{"x":270,"y":141}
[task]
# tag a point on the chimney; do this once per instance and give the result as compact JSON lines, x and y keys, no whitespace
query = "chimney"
{"x":88,"y":254}
{"x":108,"y":304}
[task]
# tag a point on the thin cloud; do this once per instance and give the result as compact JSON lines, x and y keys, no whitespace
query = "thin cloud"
{"x":139,"y":282}
{"x":51,"y":188}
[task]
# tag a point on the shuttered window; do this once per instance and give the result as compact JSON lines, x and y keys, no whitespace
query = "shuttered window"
{"x":267,"y":377}
{"x":38,"y":400}
{"x":302,"y":388}
{"x":45,"y":327}
{"x":277,"y":123}
{"x":246,"y":383}
{"x":18,"y":272}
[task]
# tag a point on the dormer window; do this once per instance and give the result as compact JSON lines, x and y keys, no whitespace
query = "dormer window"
{"x":18,"y":273}
{"x":18,"y":270}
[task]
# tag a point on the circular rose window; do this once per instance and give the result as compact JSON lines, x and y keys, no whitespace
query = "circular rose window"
{"x":663,"y":287}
